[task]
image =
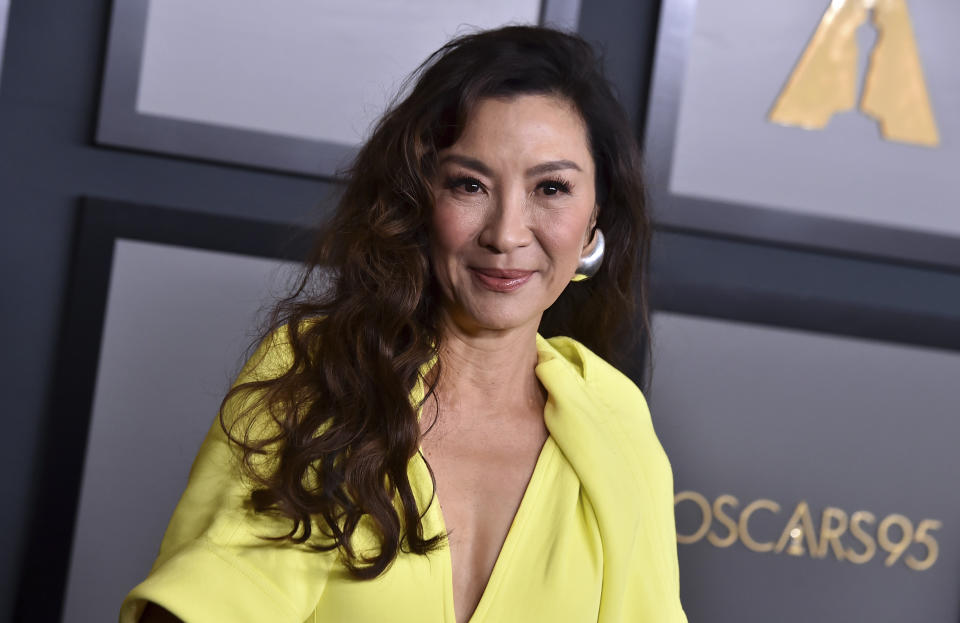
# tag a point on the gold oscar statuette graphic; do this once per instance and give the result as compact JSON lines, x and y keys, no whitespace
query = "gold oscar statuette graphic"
{"x":824,"y":81}
{"x":796,"y":543}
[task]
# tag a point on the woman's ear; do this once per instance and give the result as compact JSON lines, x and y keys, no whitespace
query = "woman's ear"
{"x":591,"y":229}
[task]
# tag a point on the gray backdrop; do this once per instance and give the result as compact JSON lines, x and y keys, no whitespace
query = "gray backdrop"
{"x":4,"y":5}
{"x":176,"y":326}
{"x":49,"y":97}
{"x":245,"y":64}
{"x":741,"y":53}
{"x":788,"y":415}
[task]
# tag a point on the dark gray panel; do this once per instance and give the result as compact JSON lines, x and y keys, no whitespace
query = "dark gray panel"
{"x":787,"y":415}
{"x":49,"y":97}
{"x":929,"y":239}
{"x":192,"y":311}
{"x":122,"y":124}
{"x":4,"y":5}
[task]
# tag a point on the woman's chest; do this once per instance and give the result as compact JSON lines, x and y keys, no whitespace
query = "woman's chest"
{"x":548,"y":568}
{"x":480,"y":486}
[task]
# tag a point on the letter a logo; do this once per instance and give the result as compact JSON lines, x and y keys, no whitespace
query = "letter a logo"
{"x":824,"y":81}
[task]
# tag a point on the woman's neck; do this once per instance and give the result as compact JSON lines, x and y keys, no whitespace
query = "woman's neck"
{"x":489,"y":374}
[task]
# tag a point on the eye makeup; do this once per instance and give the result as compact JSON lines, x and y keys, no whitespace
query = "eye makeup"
{"x":465,"y":183}
{"x":555,"y":185}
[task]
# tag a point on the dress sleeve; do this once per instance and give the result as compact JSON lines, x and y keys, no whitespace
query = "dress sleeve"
{"x":213,"y":564}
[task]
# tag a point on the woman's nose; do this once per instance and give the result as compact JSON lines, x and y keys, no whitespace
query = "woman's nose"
{"x":507,"y":224}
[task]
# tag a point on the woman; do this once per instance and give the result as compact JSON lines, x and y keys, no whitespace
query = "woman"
{"x":410,"y":447}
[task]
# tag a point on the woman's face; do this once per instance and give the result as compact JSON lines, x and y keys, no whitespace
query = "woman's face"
{"x":515,"y":204}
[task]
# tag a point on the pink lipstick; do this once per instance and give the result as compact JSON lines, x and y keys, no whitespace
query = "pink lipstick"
{"x":501,"y":280}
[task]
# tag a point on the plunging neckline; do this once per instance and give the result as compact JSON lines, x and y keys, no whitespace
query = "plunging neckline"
{"x":501,"y":564}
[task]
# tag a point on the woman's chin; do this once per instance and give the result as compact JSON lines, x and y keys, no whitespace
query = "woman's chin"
{"x":496,"y":320}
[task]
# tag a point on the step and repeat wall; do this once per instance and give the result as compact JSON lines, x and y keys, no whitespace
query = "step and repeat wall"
{"x":816,"y":473}
{"x":813,"y":442}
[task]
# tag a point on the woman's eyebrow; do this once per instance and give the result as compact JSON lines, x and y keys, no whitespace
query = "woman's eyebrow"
{"x":553,"y":165}
{"x":470,"y":163}
{"x":483,"y":169}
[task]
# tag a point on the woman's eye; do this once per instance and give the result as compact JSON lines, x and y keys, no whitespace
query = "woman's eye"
{"x":469,"y":185}
{"x":552,"y":187}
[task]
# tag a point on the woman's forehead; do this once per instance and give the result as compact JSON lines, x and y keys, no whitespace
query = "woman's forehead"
{"x":534,"y":126}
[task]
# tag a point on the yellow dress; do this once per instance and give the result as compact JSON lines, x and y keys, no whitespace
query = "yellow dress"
{"x":593,"y":539}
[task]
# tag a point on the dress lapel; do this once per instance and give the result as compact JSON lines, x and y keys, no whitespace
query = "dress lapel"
{"x":602,"y":426}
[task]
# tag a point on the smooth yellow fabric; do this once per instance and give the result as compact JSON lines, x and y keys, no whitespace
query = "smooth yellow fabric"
{"x":593,"y":539}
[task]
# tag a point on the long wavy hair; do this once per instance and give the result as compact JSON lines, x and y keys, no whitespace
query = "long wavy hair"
{"x":362,"y":319}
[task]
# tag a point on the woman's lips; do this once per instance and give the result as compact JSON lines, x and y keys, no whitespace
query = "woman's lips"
{"x":501,"y":280}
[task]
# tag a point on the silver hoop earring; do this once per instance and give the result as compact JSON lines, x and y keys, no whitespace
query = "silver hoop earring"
{"x":590,"y":264}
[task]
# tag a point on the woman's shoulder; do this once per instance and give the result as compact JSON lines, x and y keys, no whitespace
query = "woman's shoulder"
{"x":273,"y":353}
{"x":269,"y":358}
{"x":596,"y":373}
{"x":617,"y":407}
{"x":216,"y":533}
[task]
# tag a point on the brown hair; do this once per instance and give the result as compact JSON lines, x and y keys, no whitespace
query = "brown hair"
{"x":344,"y":428}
